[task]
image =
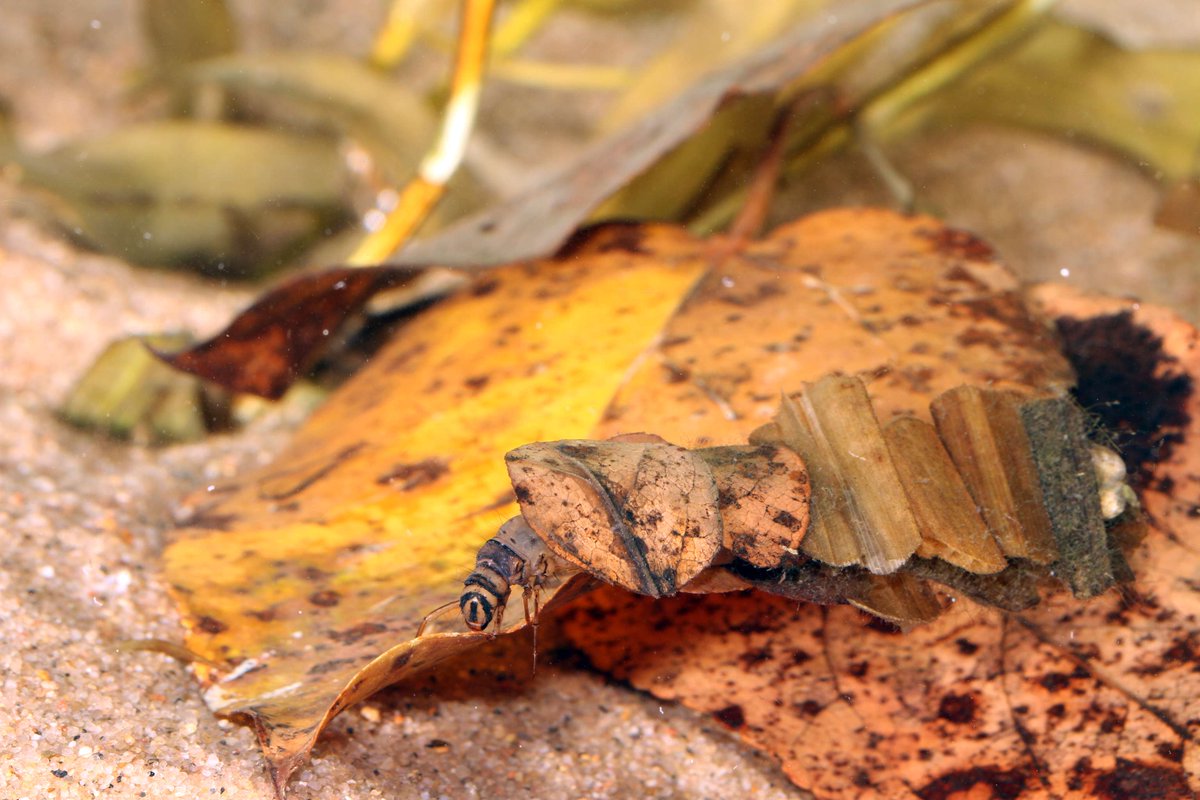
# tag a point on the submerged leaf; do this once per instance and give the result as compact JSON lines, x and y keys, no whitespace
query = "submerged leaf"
{"x":1079,"y":84}
{"x":373,"y":516}
{"x":229,"y":199}
{"x":378,"y":111}
{"x":540,"y":220}
{"x":674,"y":160}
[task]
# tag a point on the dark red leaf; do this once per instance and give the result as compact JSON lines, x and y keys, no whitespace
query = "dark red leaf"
{"x":272,"y":342}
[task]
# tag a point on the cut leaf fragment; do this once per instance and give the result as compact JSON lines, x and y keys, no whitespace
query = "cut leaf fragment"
{"x":943,"y":508}
{"x":641,"y":515}
{"x":983,"y":432}
{"x":861,"y":513}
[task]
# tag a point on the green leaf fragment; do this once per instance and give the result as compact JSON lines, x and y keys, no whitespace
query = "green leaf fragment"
{"x":230,"y":200}
{"x":128,"y":393}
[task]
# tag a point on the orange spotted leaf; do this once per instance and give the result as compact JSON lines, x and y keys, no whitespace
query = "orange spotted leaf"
{"x":304,"y":583}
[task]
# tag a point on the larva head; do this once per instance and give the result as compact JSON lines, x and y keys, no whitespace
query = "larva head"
{"x":477,"y":609}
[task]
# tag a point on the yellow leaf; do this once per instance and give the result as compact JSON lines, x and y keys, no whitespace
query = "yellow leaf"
{"x":298,"y":578}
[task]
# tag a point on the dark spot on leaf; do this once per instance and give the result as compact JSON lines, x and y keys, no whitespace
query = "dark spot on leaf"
{"x":651,"y":517}
{"x":786,"y":520}
{"x":1183,"y":650}
{"x":883,"y":626}
{"x":354,"y":634}
{"x":331,"y":666}
{"x":1055,"y":681}
{"x":676,"y":374}
{"x":731,"y":715}
{"x":326,"y":598}
{"x":754,"y":657}
{"x":212,"y":521}
{"x":859,"y":669}
{"x":1128,"y":382}
{"x":959,"y":244}
{"x":973,"y":336}
{"x":1004,"y":784}
{"x":966,"y":646}
{"x":523,"y":495}
{"x":957,"y":708}
{"x":210,"y":625}
{"x":406,"y":477}
{"x":809,"y":708}
{"x":1134,"y":780}
{"x":761,"y":292}
{"x":477,"y":382}
{"x":1170,"y":752}
{"x":483,"y":287}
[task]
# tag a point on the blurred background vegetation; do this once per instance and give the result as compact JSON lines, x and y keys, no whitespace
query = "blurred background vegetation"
{"x":237,"y":138}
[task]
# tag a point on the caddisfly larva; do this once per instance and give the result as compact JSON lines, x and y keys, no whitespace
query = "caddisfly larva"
{"x":515,"y":556}
{"x":997,"y":485}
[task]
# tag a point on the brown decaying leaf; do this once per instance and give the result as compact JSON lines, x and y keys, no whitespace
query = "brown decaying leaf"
{"x":1068,"y":699}
{"x":269,"y":344}
{"x":940,"y":501}
{"x":307,"y":580}
{"x":540,"y":220}
{"x":982,"y":429}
